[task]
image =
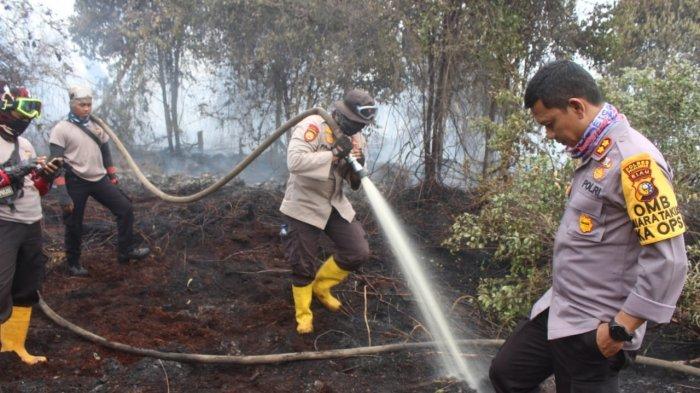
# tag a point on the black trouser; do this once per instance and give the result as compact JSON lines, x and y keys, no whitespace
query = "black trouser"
{"x":301,"y":245}
{"x":107,"y":194}
{"x":22,"y":264}
{"x":527,"y":358}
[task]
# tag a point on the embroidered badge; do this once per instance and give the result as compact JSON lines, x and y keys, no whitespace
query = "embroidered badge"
{"x":585,"y":223}
{"x":607,"y":163}
{"x":651,"y":202}
{"x":603,"y":146}
{"x":330,"y":139}
{"x":311,"y":133}
{"x":599,"y":173}
{"x":639,"y":174}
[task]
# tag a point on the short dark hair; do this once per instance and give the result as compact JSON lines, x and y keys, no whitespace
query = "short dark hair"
{"x":558,"y":81}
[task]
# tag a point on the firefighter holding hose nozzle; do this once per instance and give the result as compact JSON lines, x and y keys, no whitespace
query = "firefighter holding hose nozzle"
{"x":24,"y":178}
{"x":314,"y":202}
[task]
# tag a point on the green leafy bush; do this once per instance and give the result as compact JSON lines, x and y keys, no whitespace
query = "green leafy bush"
{"x":517,"y":223}
{"x":507,"y":299}
{"x":689,"y":303}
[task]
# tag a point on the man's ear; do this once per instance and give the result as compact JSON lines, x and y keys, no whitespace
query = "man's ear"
{"x":578,"y":106}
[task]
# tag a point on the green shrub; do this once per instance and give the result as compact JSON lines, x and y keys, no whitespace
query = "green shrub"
{"x":507,"y":299}
{"x":689,"y":304}
{"x":517,"y":224}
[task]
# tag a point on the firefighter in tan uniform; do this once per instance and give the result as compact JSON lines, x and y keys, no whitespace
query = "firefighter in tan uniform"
{"x":619,"y":255}
{"x":314,"y":203}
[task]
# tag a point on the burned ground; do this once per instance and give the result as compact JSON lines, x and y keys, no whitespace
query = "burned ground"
{"x":217,"y":283}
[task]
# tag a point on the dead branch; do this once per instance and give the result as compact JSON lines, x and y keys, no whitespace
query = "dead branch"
{"x":369,"y":333}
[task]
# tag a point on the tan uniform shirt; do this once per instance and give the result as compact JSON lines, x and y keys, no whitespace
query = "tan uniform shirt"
{"x":81,"y":152}
{"x":620,"y":242}
{"x":315,"y":186}
{"x":28,"y":207}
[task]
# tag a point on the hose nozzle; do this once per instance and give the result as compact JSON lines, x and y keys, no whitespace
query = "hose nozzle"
{"x":356,"y":166}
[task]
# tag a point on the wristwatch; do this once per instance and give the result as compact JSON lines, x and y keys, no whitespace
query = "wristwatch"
{"x":618,"y":332}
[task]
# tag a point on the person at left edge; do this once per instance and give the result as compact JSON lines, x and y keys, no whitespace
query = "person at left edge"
{"x":89,"y":172}
{"x":24,"y":178}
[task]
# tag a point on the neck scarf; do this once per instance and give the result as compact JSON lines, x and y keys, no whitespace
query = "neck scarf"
{"x":596,"y":131}
{"x":73,"y":118}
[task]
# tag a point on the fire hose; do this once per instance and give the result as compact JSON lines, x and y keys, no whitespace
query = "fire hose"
{"x":234,"y":172}
{"x":308,"y":355}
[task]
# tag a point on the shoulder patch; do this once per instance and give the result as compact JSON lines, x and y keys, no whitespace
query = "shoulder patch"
{"x":330,"y":139}
{"x":651,"y":203}
{"x":311,"y":133}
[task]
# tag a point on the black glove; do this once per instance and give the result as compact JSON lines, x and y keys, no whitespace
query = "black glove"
{"x":342,"y":147}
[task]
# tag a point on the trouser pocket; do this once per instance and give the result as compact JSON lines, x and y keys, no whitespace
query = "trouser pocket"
{"x":590,"y":342}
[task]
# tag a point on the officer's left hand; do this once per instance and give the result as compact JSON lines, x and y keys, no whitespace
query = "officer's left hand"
{"x":606,"y":345}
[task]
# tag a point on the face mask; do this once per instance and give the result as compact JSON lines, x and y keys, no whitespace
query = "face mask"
{"x":348,"y":126}
{"x":17,"y":126}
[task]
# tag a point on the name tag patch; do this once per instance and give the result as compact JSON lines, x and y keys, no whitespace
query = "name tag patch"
{"x":591,"y":187}
{"x":651,"y":202}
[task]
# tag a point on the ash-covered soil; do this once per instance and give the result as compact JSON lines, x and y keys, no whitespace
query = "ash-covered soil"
{"x":217,"y":283}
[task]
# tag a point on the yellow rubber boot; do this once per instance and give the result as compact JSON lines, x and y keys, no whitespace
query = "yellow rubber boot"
{"x":13,"y":334}
{"x":328,"y":276}
{"x":302,"y":309}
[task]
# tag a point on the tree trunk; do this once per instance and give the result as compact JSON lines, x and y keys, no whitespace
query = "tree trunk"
{"x":164,"y":95}
{"x":487,"y":138}
{"x":428,"y":162}
{"x":174,"y":92}
{"x":442,"y":94}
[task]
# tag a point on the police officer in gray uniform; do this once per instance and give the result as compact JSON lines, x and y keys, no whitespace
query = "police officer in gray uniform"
{"x":619,"y":255}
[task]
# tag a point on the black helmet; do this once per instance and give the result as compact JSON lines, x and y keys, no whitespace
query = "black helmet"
{"x":358,"y":106}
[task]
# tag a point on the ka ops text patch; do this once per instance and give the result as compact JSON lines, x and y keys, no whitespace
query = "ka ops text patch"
{"x":651,"y":203}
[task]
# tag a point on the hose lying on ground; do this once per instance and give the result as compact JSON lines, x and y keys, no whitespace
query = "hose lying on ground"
{"x":221,"y":182}
{"x":296,"y":356}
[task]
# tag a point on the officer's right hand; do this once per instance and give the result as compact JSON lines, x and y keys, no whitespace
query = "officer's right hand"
{"x":342,"y":147}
